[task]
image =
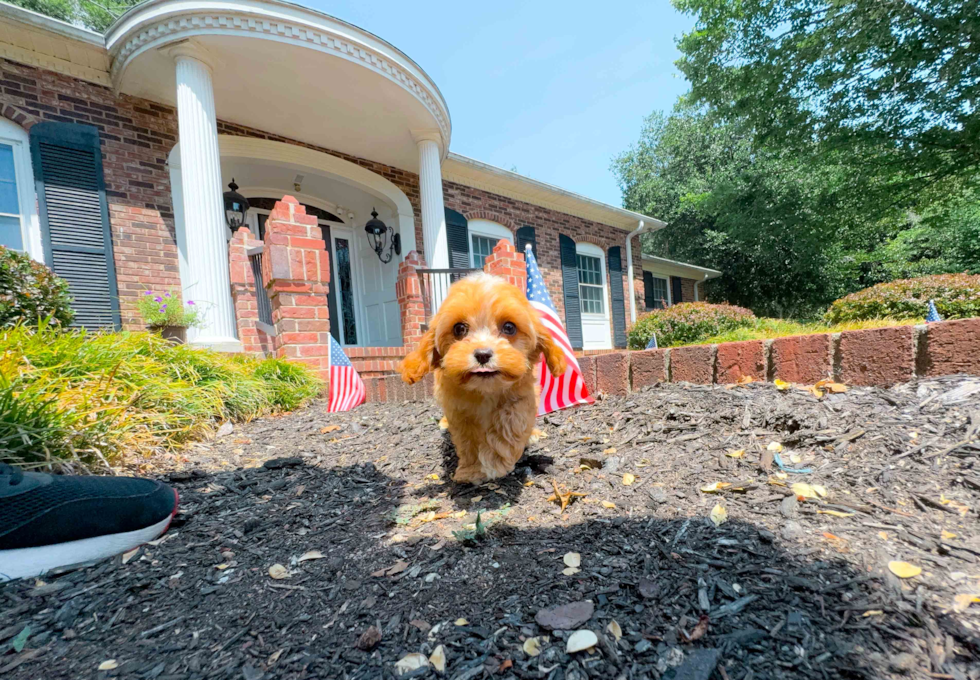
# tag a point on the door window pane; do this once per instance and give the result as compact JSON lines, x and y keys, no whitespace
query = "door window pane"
{"x":590,"y":284}
{"x":346,"y":291}
{"x":10,"y":235}
{"x":8,"y":181}
{"x":482,"y":246}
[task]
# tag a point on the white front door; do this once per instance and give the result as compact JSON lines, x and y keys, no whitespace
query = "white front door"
{"x":592,"y":297}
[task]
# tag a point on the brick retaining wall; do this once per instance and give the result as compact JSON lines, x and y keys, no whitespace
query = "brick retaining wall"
{"x":879,"y":356}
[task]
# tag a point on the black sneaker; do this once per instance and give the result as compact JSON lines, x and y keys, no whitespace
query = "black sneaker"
{"x":50,"y":521}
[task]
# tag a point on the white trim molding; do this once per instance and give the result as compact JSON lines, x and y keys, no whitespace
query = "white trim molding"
{"x":157,"y":23}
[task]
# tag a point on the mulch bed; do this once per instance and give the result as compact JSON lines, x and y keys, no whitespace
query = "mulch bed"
{"x":357,"y":512}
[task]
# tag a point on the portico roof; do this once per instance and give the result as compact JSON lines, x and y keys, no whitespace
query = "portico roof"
{"x":283,"y":68}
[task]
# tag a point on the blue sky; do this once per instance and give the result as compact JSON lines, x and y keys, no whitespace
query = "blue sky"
{"x":552,"y":89}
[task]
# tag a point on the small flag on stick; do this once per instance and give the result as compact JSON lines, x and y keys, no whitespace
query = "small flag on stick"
{"x":653,"y":342}
{"x":569,"y":388}
{"x":933,"y":314}
{"x":346,"y":386}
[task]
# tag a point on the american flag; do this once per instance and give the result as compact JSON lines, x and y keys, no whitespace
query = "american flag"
{"x":569,"y":388}
{"x":346,"y":386}
{"x":933,"y":314}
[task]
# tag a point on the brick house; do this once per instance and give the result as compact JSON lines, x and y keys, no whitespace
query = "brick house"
{"x":115,"y":151}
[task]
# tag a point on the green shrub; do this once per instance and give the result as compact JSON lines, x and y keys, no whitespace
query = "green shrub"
{"x":957,"y":296}
{"x":30,"y":292}
{"x":85,"y":398}
{"x":687,"y":323}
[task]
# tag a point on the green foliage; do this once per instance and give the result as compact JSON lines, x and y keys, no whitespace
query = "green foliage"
{"x":165,"y":309}
{"x":687,"y":323}
{"x":95,"y":15}
{"x":74,"y":397}
{"x":957,"y":296}
{"x":30,"y":292}
{"x":473,"y":535}
{"x":766,"y":329}
{"x":899,"y":78}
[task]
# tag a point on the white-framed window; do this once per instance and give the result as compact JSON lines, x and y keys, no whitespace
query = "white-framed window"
{"x":19,"y":225}
{"x":484,"y":236}
{"x":661,"y":292}
{"x":591,"y":284}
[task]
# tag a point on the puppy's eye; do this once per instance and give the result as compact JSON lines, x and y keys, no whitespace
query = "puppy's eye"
{"x":508,"y":329}
{"x":459,"y":330}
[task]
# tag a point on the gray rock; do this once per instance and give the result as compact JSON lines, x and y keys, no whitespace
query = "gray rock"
{"x":792,"y":530}
{"x":565,"y":617}
{"x":642,"y":646}
{"x":699,"y":664}
{"x":789,"y":507}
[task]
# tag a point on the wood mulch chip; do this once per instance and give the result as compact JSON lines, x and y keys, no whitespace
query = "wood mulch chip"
{"x":382,"y":563}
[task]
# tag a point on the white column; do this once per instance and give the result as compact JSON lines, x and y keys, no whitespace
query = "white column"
{"x":205,"y":229}
{"x":433,"y":211}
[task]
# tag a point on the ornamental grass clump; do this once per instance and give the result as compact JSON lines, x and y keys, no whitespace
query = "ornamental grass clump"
{"x":687,"y":323}
{"x":80,"y":398}
{"x":957,"y":296}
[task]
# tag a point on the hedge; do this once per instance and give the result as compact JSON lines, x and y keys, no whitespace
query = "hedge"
{"x":957,"y":296}
{"x":686,"y":323}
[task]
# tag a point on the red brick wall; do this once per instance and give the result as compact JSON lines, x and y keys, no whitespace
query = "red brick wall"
{"x":513,"y":214}
{"x":136,"y":137}
{"x":687,"y":290}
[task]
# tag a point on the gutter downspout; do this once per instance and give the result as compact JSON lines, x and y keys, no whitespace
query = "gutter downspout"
{"x":642,"y":228}
{"x":697,"y":297}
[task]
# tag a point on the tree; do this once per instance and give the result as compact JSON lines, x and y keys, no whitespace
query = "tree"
{"x":88,"y":13}
{"x":901,"y":77}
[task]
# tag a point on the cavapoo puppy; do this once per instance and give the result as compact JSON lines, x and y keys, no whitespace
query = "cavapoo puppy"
{"x":483,"y":345}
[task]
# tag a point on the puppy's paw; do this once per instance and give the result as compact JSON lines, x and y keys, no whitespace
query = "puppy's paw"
{"x":443,"y":424}
{"x":469,"y":475}
{"x":536,"y":436}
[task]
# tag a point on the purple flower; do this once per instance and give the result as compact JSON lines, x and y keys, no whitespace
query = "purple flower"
{"x":190,"y":302}
{"x":163,"y":308}
{"x":166,"y":294}
{"x":158,"y":299}
{"x":147,"y":292}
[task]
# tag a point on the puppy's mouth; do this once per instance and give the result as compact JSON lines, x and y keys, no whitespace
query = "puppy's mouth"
{"x":484,"y":372}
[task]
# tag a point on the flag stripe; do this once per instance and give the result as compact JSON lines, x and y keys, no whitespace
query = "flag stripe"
{"x":346,"y":387}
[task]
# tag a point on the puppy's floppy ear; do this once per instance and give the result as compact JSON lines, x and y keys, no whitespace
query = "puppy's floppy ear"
{"x":423,"y":359}
{"x":553,"y":356}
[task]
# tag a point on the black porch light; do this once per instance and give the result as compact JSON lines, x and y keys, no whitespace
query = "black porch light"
{"x":236,"y":207}
{"x":382,"y":238}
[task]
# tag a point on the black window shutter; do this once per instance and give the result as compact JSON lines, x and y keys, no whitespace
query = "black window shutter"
{"x":648,"y":294}
{"x":569,"y":280}
{"x":458,"y":237}
{"x":616,"y":293}
{"x":676,"y":290}
{"x":75,"y":218}
{"x":526,"y":235}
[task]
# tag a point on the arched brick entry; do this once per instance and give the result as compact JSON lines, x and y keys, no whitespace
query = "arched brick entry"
{"x":492,"y":217}
{"x":12,"y":113}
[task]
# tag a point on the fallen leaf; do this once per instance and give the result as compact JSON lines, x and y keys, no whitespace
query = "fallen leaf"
{"x":736,"y":454}
{"x":434,"y":477}
{"x":563,"y":498}
{"x":222,"y":566}
{"x":883,"y":535}
{"x":744,"y":380}
{"x":615,"y":630}
{"x":698,"y":631}
{"x":410,"y":663}
{"x":815,"y":391}
{"x":719,"y":515}
{"x":311,"y":555}
{"x":780,"y":384}
{"x":963,"y":601}
{"x":835,"y":513}
{"x":835,"y":388}
{"x":947,"y":535}
{"x":329,"y":428}
{"x":904,"y":569}
{"x":715,"y":487}
{"x":628,"y":479}
{"x":804,"y":490}
{"x":610,"y":450}
{"x":581,"y":640}
{"x":532,"y":646}
{"x":572,"y":559}
{"x":275,"y":656}
{"x":129,"y":555}
{"x":609,"y":505}
{"x":476,"y":499}
{"x":873,"y":612}
{"x":397,"y":568}
{"x":108,"y":665}
{"x":438,"y":659}
{"x":462,"y":622}
{"x":795,"y":458}
{"x":278,"y":572}
{"x":775,"y":447}
{"x":570,"y":571}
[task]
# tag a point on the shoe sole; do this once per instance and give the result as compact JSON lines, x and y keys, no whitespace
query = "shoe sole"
{"x":31,"y":562}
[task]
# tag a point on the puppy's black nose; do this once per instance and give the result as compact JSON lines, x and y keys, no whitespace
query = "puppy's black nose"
{"x":483,"y":355}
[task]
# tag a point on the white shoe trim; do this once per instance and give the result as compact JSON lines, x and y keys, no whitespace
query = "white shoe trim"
{"x":31,"y":562}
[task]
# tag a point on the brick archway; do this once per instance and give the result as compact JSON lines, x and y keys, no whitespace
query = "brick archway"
{"x":589,"y":238}
{"x":16,"y":115}
{"x":493,"y":217}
